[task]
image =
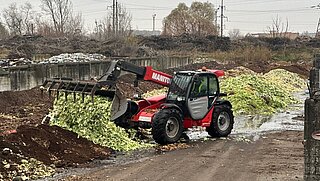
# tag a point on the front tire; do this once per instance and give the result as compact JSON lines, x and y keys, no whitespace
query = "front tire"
{"x":222,"y":122}
{"x":167,"y":126}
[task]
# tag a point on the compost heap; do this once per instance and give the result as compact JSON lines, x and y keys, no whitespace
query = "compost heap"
{"x":34,"y":151}
{"x":252,"y":93}
{"x":91,"y":120}
{"x":16,"y":165}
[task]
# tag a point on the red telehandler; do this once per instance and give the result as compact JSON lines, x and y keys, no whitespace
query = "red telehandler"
{"x":193,"y":99}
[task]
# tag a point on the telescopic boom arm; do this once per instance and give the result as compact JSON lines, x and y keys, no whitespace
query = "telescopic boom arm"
{"x":143,"y":73}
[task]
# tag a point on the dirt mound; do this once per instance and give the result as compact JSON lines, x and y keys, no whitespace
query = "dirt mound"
{"x":186,"y":42}
{"x":22,"y":107}
{"x":29,"y":45}
{"x":53,"y":145}
{"x":302,"y":70}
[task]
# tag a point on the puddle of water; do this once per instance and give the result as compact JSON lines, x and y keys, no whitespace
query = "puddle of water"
{"x":197,"y":133}
{"x":283,"y":121}
{"x":253,"y":126}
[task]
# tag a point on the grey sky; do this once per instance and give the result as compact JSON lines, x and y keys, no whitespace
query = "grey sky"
{"x":246,"y":15}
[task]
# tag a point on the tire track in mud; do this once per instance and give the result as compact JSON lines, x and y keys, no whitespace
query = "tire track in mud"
{"x":204,"y":161}
{"x":276,"y":156}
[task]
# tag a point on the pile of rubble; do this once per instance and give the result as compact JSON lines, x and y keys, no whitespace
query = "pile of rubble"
{"x":74,"y":57}
{"x":14,"y":62}
{"x":67,"y":57}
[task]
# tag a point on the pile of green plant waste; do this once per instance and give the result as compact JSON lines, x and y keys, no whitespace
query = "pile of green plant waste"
{"x":25,"y":170}
{"x":289,"y":81}
{"x":262,"y":94}
{"x":91,"y":120}
{"x":238,"y":71}
{"x":155,"y":92}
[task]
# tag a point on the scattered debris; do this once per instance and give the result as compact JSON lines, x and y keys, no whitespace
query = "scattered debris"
{"x":171,"y":147}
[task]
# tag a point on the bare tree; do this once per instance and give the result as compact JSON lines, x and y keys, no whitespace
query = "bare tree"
{"x":14,"y":19}
{"x":178,"y":21}
{"x":27,"y":14}
{"x":60,"y":12}
{"x":75,"y":25}
{"x":125,"y":19}
{"x":196,"y":20}
{"x":203,"y":18}
{"x":19,"y":19}
{"x":104,"y":30}
{"x":44,"y":27}
{"x":4,"y":33}
{"x":278,"y":28}
{"x":234,"y":34}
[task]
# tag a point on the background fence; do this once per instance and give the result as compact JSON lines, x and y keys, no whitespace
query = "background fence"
{"x":30,"y":76}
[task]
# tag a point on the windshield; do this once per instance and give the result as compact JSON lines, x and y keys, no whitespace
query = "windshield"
{"x":179,"y":86}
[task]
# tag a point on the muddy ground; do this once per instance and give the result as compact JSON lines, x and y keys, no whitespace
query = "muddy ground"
{"x":276,"y":157}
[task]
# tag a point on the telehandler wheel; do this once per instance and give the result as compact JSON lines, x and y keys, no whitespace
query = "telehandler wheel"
{"x":222,"y":121}
{"x":167,"y":126}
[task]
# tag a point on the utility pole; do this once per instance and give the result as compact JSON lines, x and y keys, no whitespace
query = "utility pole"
{"x":153,"y":23}
{"x":96,"y":27}
{"x":216,"y":19}
{"x":117,"y":18}
{"x":318,"y":26}
{"x":113,"y":16}
{"x":318,"y":30}
{"x":221,"y":16}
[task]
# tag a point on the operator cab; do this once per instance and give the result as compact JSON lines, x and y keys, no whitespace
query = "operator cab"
{"x":194,"y":92}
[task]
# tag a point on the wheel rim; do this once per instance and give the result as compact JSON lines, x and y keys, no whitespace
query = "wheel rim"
{"x":172,"y":127}
{"x":223,"y":121}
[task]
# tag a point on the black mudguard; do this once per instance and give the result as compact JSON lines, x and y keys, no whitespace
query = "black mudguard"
{"x":223,"y":102}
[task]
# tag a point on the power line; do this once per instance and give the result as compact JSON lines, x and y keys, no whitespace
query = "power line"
{"x":268,"y":11}
{"x":148,"y":9}
{"x":257,"y":2}
{"x":270,"y":22}
{"x":146,"y":6}
{"x":144,"y":19}
{"x":250,"y":14}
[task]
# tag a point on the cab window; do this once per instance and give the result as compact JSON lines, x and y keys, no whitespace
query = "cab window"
{"x":200,"y":86}
{"x":213,"y":85}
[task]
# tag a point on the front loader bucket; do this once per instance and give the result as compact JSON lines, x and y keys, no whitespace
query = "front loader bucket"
{"x":68,"y":86}
{"x":119,"y":105}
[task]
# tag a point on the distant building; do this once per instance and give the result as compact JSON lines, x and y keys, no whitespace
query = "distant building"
{"x":290,"y":35}
{"x":146,"y":32}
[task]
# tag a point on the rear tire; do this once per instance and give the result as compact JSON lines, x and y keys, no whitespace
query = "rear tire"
{"x":167,"y":126}
{"x":222,"y":122}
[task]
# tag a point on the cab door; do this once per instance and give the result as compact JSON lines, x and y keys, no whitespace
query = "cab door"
{"x":213,"y":89}
{"x":198,"y":100}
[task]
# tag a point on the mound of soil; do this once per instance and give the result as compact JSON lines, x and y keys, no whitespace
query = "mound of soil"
{"x":22,"y":107}
{"x":186,"y":42}
{"x":52,"y":145}
{"x":300,"y":69}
